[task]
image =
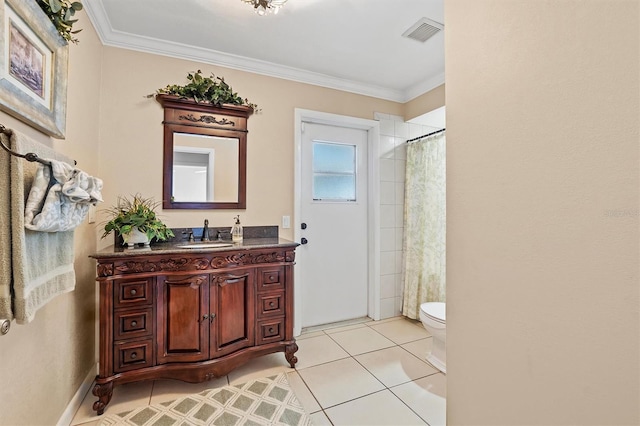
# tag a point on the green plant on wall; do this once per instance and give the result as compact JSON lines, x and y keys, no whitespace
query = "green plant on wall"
{"x":137,"y":212}
{"x":61,"y":13}
{"x":205,"y":89}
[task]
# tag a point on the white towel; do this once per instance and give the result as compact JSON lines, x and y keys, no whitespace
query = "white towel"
{"x":35,"y":267}
{"x":60,"y":197}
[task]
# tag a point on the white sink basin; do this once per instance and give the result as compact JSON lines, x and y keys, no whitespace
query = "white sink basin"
{"x":204,"y":245}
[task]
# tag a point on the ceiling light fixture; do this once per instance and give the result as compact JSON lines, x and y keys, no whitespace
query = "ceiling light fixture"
{"x":263,"y":7}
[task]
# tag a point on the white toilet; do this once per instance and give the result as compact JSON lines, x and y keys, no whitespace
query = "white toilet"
{"x":433,"y":317}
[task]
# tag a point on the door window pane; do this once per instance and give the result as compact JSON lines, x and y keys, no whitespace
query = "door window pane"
{"x":334,"y":171}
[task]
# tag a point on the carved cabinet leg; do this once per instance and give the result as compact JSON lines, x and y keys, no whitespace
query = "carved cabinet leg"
{"x":104,"y":393}
{"x":289,"y":354}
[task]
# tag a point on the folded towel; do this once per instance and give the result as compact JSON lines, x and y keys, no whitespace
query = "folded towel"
{"x":60,"y":197}
{"x":34,"y":266}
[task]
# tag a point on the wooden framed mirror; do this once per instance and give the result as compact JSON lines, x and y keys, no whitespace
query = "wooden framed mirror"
{"x":205,"y":154}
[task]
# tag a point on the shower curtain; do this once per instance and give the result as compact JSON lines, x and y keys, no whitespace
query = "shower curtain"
{"x":423,"y":271}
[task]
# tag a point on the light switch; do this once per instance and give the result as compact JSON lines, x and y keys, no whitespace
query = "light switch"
{"x":286,"y":222}
{"x":92,"y":213}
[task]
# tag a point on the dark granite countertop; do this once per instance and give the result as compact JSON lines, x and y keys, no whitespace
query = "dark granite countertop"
{"x":173,"y":247}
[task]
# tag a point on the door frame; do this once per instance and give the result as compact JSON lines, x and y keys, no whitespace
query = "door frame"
{"x":373,"y":202}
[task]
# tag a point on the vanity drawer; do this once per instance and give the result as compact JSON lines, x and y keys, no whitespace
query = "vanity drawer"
{"x":270,"y":331}
{"x":132,"y":324}
{"x":133,"y":292}
{"x":270,"y":279}
{"x":132,"y":355}
{"x":271,"y":304}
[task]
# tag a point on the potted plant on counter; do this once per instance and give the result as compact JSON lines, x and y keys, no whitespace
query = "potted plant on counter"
{"x":135,"y":219}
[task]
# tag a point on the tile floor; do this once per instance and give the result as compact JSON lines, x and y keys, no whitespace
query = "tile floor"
{"x":368,"y":373}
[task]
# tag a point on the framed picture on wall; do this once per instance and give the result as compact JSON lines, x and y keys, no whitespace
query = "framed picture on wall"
{"x":34,"y":61}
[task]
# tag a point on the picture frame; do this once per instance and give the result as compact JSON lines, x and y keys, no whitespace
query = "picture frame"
{"x":34,"y":61}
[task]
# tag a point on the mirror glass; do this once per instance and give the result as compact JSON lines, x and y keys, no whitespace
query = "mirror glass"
{"x":205,"y":168}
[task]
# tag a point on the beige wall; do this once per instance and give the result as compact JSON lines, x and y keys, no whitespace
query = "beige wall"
{"x":131,"y":133}
{"x":433,"y":99}
{"x":542,"y":212}
{"x":43,"y":363}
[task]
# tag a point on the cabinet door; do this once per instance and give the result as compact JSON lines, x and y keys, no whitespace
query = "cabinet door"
{"x":233,"y":304}
{"x":183,"y":318}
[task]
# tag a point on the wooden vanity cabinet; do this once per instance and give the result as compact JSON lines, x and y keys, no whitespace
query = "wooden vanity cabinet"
{"x":189,"y":316}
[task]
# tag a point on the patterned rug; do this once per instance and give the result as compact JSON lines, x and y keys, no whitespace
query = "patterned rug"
{"x":267,"y":401}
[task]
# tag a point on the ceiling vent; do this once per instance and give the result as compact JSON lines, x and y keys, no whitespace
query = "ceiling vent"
{"x":423,"y":30}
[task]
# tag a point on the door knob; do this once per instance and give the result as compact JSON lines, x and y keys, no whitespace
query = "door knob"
{"x":303,"y":241}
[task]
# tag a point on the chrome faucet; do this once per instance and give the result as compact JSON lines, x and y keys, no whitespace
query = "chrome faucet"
{"x":205,"y":231}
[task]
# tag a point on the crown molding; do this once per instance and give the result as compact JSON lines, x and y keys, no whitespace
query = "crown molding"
{"x":98,"y":17}
{"x":423,"y":87}
{"x":110,"y":37}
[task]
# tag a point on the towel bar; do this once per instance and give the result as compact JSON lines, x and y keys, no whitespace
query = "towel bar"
{"x":5,"y":325}
{"x":29,"y":156}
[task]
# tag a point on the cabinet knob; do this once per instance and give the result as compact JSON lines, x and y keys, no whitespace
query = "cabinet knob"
{"x":272,"y":278}
{"x":133,"y":292}
{"x":134,"y":355}
{"x":205,"y":316}
{"x":134,"y":323}
{"x":270,"y":329}
{"x":272,"y":304}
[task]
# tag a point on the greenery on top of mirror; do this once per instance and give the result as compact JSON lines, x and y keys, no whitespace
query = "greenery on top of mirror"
{"x":210,"y":89}
{"x":61,"y":14}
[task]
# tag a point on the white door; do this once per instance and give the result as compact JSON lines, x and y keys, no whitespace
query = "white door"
{"x":333,"y":259}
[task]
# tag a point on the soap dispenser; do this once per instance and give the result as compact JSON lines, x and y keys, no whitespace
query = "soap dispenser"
{"x":236,"y":230}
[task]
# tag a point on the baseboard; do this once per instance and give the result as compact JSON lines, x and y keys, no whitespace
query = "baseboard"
{"x":336,"y":324}
{"x":74,"y":404}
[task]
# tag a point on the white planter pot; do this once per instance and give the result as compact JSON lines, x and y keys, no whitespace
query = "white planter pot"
{"x":136,"y":237}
